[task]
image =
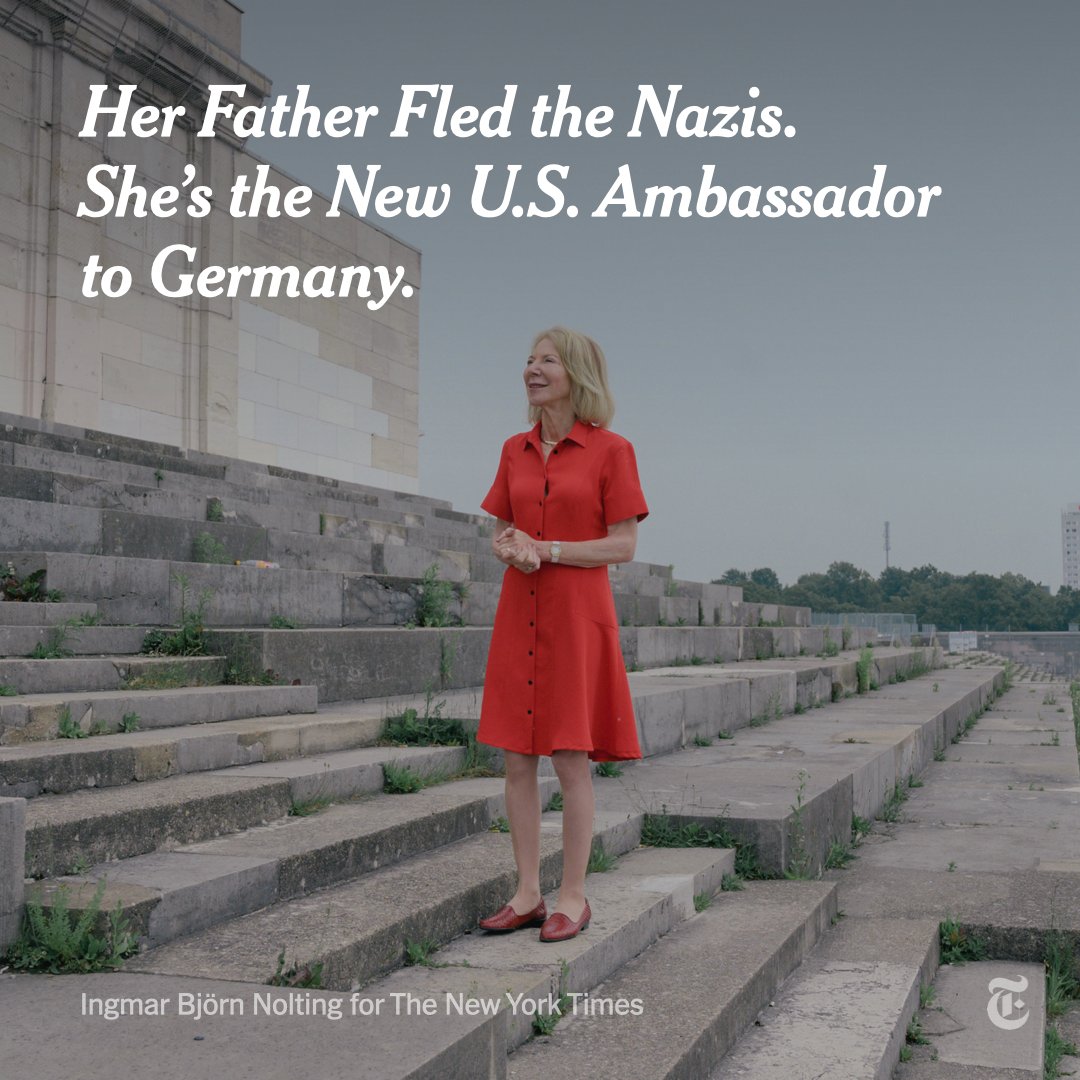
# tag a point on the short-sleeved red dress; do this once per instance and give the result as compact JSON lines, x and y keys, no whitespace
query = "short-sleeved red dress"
{"x":556,"y":679}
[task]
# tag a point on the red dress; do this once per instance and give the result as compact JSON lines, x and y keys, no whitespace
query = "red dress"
{"x":556,"y":679}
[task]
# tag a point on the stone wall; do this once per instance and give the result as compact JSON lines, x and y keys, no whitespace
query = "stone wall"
{"x":316,"y":384}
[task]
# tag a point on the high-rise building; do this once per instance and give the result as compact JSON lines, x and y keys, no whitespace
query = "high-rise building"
{"x":1070,"y":545}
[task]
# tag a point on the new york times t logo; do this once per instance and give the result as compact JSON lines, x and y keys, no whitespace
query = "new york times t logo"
{"x":1002,"y":1008}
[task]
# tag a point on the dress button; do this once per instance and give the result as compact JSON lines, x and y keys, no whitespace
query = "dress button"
{"x":532,"y":592}
{"x":530,"y":652}
{"x":530,"y":682}
{"x":529,"y":711}
{"x":532,"y":624}
{"x":537,"y":532}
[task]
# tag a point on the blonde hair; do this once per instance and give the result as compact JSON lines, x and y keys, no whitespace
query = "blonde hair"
{"x":585,"y":364}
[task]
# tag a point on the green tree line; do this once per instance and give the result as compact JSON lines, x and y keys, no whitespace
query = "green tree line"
{"x":949,"y":601}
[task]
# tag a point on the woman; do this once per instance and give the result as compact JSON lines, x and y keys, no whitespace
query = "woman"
{"x":567,"y":502}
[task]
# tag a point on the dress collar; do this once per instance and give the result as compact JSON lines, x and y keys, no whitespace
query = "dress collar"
{"x":579,"y":434}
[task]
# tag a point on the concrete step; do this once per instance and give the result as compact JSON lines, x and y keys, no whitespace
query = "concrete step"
{"x":960,"y":1038}
{"x":645,"y":895}
{"x":77,"y":640}
{"x":20,"y":613}
{"x":135,"y":819}
{"x":66,"y":765}
{"x":701,"y":985}
{"x":22,"y":439}
{"x":788,"y":786}
{"x":673,"y":709}
{"x":168,"y":894}
{"x":38,"y":717}
{"x":845,"y":1011}
{"x":78,"y":675}
{"x":359,"y":930}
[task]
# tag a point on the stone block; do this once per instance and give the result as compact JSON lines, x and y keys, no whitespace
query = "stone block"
{"x":12,"y":861}
{"x":633,"y":610}
{"x":27,"y":525}
{"x":785,"y":641}
{"x":757,"y":643}
{"x":348,"y":664}
{"x":378,"y":600}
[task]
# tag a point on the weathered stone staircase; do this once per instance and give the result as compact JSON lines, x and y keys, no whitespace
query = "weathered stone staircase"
{"x":246,"y":827}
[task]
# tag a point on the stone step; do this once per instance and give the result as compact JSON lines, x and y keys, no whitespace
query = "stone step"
{"x":38,"y":717}
{"x":168,"y":894}
{"x":359,"y":930}
{"x":789,"y":786}
{"x":20,"y":613}
{"x":845,"y":1011}
{"x":21,"y":640}
{"x":646,"y":894}
{"x":673,"y":709}
{"x":960,"y":1038}
{"x":22,"y":437}
{"x":78,"y":675}
{"x":135,"y":819}
{"x":66,"y":765}
{"x":695,"y":990}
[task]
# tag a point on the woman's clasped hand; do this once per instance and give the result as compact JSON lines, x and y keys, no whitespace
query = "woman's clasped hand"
{"x":514,"y":548}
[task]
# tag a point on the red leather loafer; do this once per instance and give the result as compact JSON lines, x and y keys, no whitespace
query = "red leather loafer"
{"x":506,"y":919}
{"x":561,"y":927}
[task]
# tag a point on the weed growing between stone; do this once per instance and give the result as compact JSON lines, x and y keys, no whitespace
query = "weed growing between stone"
{"x":430,"y":729}
{"x":840,"y":854}
{"x":67,"y":728}
{"x":702,"y":900}
{"x":208,"y":549}
{"x":609,"y":769}
{"x":555,"y":803}
{"x":166,"y":677}
{"x":281,"y":622}
{"x":30,"y":589}
{"x":958,"y":945}
{"x":894,"y":801}
{"x":1062,"y":984}
{"x":189,"y":638}
{"x":307,"y":807}
{"x":600,"y":861}
{"x":418,"y":953}
{"x":308,"y":977}
{"x":799,"y":867}
{"x":660,"y":830}
{"x":862,"y":669}
{"x":57,"y":943}
{"x":401,"y":780}
{"x":8,"y":691}
{"x":56,"y":647}
{"x":434,"y":600}
{"x":543,"y":1023}
{"x":1054,"y":1049}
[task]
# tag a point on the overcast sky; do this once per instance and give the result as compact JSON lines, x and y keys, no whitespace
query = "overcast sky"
{"x":789,"y":385}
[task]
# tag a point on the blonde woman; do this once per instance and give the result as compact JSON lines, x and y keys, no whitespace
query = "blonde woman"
{"x":567,"y":500}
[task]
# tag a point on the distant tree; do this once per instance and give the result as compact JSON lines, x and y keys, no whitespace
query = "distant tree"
{"x":766,"y":578}
{"x":731,"y":577}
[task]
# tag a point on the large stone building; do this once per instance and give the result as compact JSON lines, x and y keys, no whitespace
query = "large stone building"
{"x":1070,"y":545}
{"x":322,"y":385}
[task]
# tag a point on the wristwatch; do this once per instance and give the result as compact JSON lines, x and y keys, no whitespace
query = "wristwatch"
{"x":556,"y":550}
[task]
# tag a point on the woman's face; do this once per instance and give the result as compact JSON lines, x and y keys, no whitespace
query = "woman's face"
{"x":546,"y":380}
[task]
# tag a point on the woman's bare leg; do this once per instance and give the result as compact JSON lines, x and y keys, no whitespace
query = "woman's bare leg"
{"x":523,"y":810}
{"x":575,"y":776}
